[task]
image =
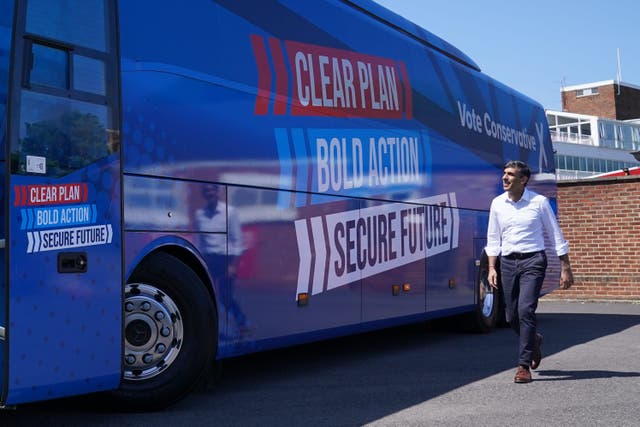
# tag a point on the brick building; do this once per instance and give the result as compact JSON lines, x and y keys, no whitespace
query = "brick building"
{"x":608,"y":99}
{"x":597,"y":129}
{"x":601,"y":220}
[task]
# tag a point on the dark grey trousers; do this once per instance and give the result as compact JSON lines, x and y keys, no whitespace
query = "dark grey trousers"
{"x":521,"y":282}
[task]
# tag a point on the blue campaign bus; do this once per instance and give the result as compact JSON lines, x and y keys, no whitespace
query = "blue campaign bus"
{"x":190,"y":182}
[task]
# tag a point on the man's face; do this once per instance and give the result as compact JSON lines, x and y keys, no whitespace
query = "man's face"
{"x":512,"y":181}
{"x":211,"y":194}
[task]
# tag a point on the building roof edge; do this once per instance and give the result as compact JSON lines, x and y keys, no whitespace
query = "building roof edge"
{"x":598,"y":84}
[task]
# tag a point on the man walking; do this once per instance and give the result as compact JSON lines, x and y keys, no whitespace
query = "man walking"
{"x":517,"y":220}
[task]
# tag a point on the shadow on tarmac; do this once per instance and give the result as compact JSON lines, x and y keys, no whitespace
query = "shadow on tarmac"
{"x":348,"y":381}
{"x":582,"y":375}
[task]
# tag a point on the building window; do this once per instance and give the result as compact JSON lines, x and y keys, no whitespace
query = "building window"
{"x":589,"y":164}
{"x":587,"y":92}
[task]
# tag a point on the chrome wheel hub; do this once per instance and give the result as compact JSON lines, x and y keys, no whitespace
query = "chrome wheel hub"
{"x":153,"y":331}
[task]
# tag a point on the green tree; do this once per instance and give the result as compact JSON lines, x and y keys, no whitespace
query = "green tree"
{"x":68,"y":142}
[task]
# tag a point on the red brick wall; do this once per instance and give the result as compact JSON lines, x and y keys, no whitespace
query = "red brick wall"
{"x":602,"y":105}
{"x":607,"y":103}
{"x":601,"y":221}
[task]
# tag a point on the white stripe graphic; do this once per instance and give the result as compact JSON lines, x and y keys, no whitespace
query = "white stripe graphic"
{"x":304,"y":252}
{"x":36,"y":243}
{"x":320,"y":250}
{"x":453,"y":202}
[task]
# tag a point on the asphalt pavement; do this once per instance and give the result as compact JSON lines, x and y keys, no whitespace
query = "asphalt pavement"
{"x":417,"y":375}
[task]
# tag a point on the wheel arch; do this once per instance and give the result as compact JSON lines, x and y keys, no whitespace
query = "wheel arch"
{"x":195,"y":263}
{"x":184,"y":252}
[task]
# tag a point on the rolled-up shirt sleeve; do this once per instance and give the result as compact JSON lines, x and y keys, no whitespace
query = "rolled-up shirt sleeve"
{"x":560,"y":245}
{"x":494,"y":234}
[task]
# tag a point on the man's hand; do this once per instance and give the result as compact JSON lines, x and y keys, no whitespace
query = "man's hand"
{"x":566,"y":278}
{"x":493,"y":277}
{"x":566,"y":275}
{"x":493,"y":273}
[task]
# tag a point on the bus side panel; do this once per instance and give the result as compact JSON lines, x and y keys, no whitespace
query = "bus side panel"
{"x":285,"y":254}
{"x":276,"y":258}
{"x":240,"y":107}
{"x":390,"y":235}
{"x":451,"y":274}
{"x":235,"y":92}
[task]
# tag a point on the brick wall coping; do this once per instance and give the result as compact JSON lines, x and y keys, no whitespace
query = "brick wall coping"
{"x":598,"y":181}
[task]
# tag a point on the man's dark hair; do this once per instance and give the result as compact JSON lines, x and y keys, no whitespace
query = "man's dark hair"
{"x":522,"y":167}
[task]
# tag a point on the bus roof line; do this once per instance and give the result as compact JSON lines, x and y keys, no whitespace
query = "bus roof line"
{"x":410,"y":29}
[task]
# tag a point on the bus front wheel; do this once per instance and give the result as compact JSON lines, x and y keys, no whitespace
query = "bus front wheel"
{"x":170,"y":330}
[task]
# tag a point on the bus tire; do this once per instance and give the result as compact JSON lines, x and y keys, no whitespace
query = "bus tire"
{"x":170,"y":334}
{"x":489,"y":308}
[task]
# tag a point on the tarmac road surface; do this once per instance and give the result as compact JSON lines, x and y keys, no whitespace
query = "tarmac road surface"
{"x":418,"y":375}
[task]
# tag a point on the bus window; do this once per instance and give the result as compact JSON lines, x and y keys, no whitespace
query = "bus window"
{"x":58,"y":135}
{"x":89,"y":75}
{"x":50,"y":67}
{"x":66,"y":119}
{"x":51,"y":20}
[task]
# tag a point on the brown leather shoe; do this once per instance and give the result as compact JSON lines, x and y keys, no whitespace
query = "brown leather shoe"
{"x":537,"y":352}
{"x":523,"y":375}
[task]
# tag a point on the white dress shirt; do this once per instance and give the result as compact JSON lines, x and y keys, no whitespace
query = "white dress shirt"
{"x":518,"y":226}
{"x":215,"y":225}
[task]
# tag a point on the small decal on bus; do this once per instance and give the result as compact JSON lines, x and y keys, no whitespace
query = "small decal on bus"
{"x":36,"y":164}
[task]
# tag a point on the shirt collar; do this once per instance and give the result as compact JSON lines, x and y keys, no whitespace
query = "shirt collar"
{"x":526,"y":196}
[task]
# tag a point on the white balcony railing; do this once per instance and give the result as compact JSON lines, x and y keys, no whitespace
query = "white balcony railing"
{"x":572,"y":138}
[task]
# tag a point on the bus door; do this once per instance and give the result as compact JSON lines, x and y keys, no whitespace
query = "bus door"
{"x":64,"y":289}
{"x":6,"y":14}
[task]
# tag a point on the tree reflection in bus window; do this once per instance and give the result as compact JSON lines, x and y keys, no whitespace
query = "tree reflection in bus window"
{"x":68,"y":134}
